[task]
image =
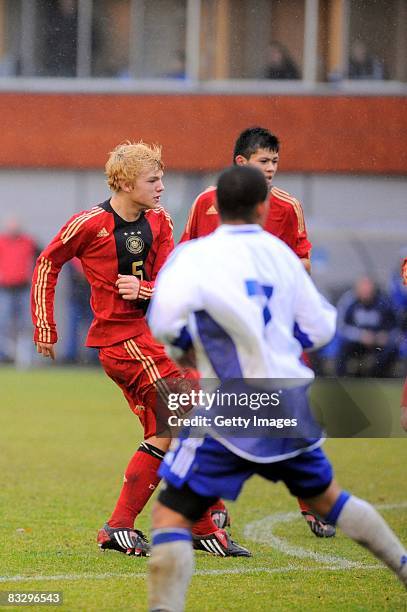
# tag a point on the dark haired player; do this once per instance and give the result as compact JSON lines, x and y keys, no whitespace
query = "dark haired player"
{"x":258,"y":147}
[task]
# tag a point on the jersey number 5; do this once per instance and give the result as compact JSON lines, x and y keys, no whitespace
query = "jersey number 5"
{"x":137,"y":269}
{"x":264,"y":292}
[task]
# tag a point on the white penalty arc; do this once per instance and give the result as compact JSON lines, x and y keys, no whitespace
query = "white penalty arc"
{"x":261,"y":531}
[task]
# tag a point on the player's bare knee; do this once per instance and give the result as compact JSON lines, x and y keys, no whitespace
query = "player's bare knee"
{"x":163,"y":517}
{"x":323,"y":504}
{"x":160,"y":443}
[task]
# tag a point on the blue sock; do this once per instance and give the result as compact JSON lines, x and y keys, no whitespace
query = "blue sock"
{"x":170,"y":568}
{"x":332,"y":517}
{"x":170,"y":534}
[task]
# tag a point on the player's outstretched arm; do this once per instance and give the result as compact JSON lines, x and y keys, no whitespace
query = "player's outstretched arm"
{"x":72,"y":237}
{"x":315,"y":317}
{"x":303,"y":246}
{"x":45,"y":349}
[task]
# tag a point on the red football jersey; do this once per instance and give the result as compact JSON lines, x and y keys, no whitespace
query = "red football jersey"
{"x":285,"y":220}
{"x":107,"y":245}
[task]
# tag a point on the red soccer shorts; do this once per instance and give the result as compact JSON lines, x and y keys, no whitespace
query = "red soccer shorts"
{"x":138,"y":366}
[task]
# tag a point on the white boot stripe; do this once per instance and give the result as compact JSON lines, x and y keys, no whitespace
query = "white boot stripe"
{"x":205,"y":545}
{"x":218,"y":546}
{"x":116,"y":537}
{"x":127,"y":538}
{"x":120,"y":540}
{"x":212,"y":547}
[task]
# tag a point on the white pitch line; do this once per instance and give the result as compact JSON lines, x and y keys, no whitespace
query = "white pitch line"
{"x":261,"y":531}
{"x":256,"y":532}
{"x":213,"y":572}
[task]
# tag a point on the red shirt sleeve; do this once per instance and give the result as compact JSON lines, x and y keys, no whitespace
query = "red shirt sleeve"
{"x":191,"y":228}
{"x":67,"y":244}
{"x":303,"y":245}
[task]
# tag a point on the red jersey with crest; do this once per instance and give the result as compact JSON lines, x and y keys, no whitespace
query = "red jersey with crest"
{"x":285,"y":220}
{"x":106,"y":245}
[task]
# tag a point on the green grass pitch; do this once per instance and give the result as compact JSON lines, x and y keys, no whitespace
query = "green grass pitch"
{"x":66,"y":436}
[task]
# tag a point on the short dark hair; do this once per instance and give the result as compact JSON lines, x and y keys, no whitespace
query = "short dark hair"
{"x":239,"y":190}
{"x":253,"y":139}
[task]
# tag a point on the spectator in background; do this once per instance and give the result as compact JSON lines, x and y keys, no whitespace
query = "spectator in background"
{"x":362,"y":64}
{"x":367,"y":329}
{"x":18,"y":252}
{"x":398,"y":297}
{"x":79,"y":316}
{"x":280,"y":65}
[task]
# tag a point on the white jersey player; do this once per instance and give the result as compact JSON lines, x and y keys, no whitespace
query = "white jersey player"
{"x":255,"y":290}
{"x":241,"y":293}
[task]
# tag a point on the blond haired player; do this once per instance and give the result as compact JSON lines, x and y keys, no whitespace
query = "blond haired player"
{"x":122,"y":243}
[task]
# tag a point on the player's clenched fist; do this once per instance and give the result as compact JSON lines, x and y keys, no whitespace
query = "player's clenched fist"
{"x":46,"y":349}
{"x":129,"y":286}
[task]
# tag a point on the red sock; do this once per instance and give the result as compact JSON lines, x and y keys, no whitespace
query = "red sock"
{"x":140,"y":480}
{"x":205,"y":525}
{"x":218,"y":505}
{"x":304,"y":507}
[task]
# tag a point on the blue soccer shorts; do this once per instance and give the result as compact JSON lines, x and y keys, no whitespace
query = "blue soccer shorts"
{"x":211,"y":470}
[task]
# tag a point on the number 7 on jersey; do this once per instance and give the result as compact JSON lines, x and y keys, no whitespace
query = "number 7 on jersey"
{"x":264,"y":292}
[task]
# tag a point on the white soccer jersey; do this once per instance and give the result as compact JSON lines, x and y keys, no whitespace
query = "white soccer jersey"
{"x":241,"y":292}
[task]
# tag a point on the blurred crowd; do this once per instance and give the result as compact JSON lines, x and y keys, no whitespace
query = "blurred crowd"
{"x":18,"y":253}
{"x":371,"y":338}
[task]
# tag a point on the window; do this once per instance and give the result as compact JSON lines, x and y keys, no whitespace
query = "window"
{"x":252,"y":39}
{"x":139,"y":38}
{"x":377,"y":40}
{"x":363,"y":40}
{"x":10,"y":18}
{"x":163,"y":39}
{"x":205,"y":40}
{"x":56,"y":39}
{"x":111,"y":38}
